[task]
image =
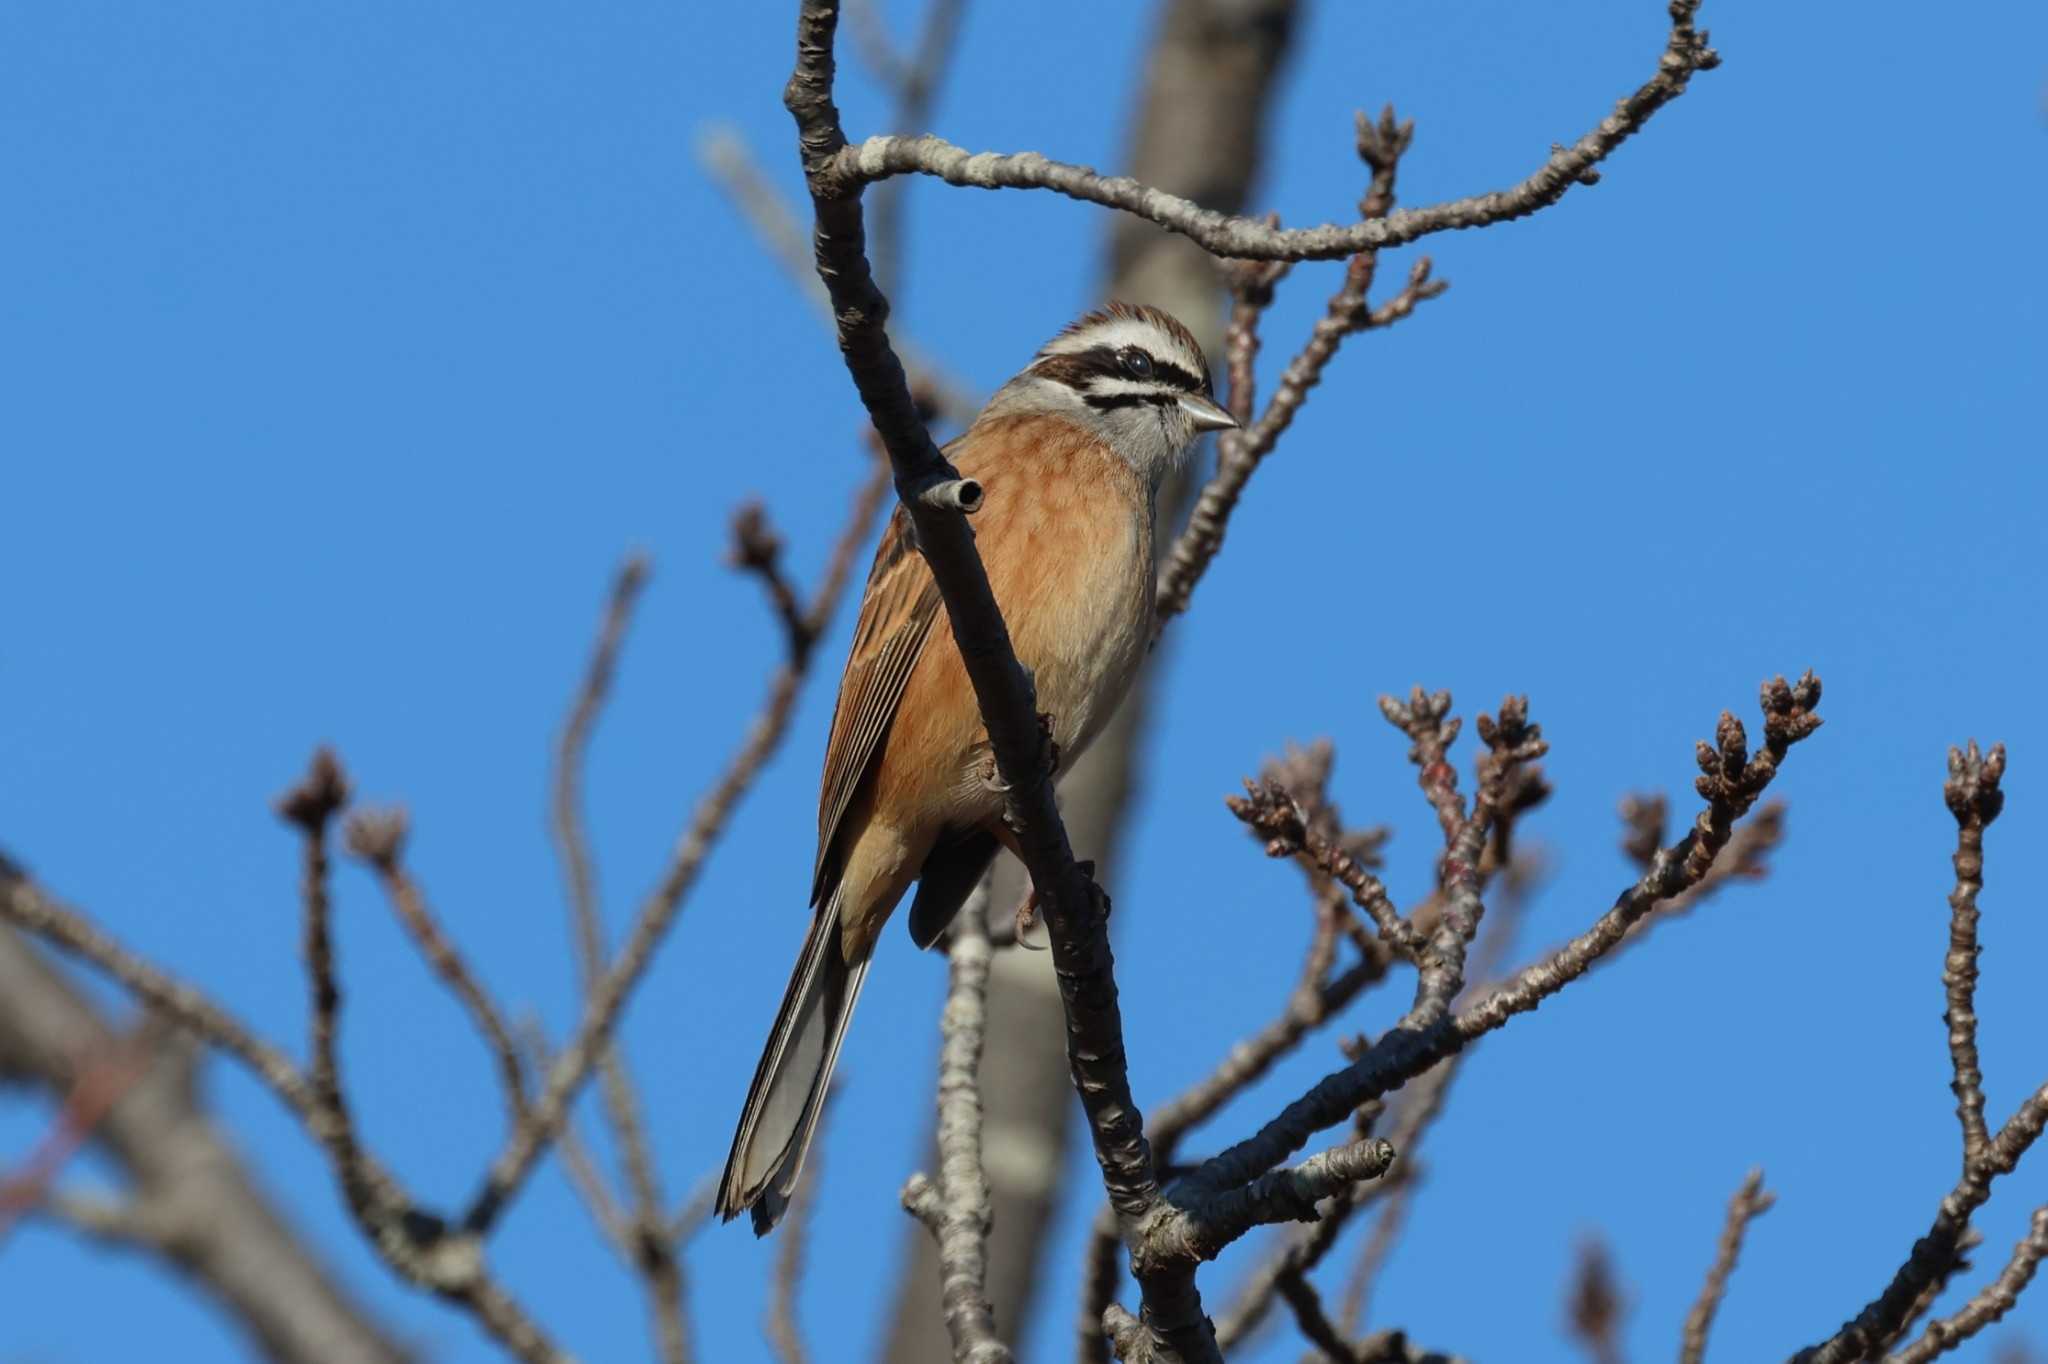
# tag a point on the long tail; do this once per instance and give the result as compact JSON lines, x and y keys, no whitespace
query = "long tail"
{"x":789,"y":1084}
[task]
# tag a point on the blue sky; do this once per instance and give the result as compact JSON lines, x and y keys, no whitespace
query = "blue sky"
{"x":346,"y":351}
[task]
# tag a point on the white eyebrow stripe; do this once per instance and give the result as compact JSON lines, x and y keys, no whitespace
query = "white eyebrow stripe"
{"x":1119,"y":385}
{"x":1118,"y":332}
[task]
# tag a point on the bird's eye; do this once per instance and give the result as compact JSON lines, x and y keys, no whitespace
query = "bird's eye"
{"x":1136,"y":363}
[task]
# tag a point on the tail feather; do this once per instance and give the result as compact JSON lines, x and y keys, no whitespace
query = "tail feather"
{"x":789,"y":1085}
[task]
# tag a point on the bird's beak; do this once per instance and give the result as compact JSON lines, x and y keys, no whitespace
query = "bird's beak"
{"x":1208,"y":414}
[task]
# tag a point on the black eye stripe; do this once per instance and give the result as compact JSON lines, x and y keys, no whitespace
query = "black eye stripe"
{"x":1080,"y":368}
{"x":1105,"y":402}
{"x":1163,"y":371}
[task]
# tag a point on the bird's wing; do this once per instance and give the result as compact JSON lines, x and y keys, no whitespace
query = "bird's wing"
{"x":897,"y":612}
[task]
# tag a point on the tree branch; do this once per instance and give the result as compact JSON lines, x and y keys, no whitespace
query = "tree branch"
{"x":955,"y":1209}
{"x":188,"y":1200}
{"x":1996,"y":1299}
{"x":1975,"y":799}
{"x":1749,"y":1203}
{"x":840,"y":171}
{"x":1430,"y":1031}
{"x":378,"y":838}
{"x":645,"y":1244}
{"x":1075,"y":908}
{"x":607,"y":998}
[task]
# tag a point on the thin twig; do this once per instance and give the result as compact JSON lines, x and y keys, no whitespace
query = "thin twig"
{"x":1239,"y":453}
{"x":378,"y":838}
{"x":572,"y":842}
{"x":647,"y":1248}
{"x":1430,"y":1030}
{"x":1274,"y":815}
{"x":310,"y":807}
{"x":1974,"y":797}
{"x":915,"y":82}
{"x":577,"y":1160}
{"x":726,"y":160}
{"x":605,"y":1001}
{"x":101,"y":1081}
{"x":1749,"y":1203}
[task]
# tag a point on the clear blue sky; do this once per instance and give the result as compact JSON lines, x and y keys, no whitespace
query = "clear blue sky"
{"x":346,"y":349}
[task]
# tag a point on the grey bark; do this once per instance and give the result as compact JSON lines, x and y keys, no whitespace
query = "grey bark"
{"x":189,"y":1199}
{"x":1199,"y":132}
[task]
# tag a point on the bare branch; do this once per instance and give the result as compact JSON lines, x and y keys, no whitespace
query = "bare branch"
{"x":25,"y":905}
{"x":309,"y":807}
{"x":1273,"y":814}
{"x":644,"y":1242}
{"x":415,"y":1244}
{"x":1239,"y":453}
{"x":577,"y":1161}
{"x":1991,"y":1303}
{"x":378,"y":838}
{"x":956,"y":1208}
{"x":757,"y":549}
{"x":1074,"y":906}
{"x":571,"y":753}
{"x":1749,"y":1203}
{"x":1166,"y":1239}
{"x":1746,"y":858}
{"x":1975,"y":799}
{"x":1420,"y":1105}
{"x":607,"y":998}
{"x":1430,"y":1031}
{"x":1208,"y":1223}
{"x":726,"y":160}
{"x":100,"y":1082}
{"x":188,"y":1198}
{"x":916,"y":84}
{"x":839,"y":172}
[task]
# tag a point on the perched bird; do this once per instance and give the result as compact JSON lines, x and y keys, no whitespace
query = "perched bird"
{"x":1070,"y":455}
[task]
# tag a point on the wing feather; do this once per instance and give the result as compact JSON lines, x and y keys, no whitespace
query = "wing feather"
{"x":897,"y":612}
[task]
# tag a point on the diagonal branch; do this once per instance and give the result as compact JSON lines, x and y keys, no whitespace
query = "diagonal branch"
{"x":648,"y":1250}
{"x":1992,"y":1302}
{"x":606,"y":1000}
{"x":1749,"y":1203}
{"x":378,"y":838}
{"x":1239,"y":453}
{"x":726,"y":159}
{"x":1431,"y":1031}
{"x":1074,"y":906}
{"x":188,"y":1199}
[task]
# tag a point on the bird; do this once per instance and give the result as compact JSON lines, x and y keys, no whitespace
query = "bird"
{"x":1070,"y":455}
